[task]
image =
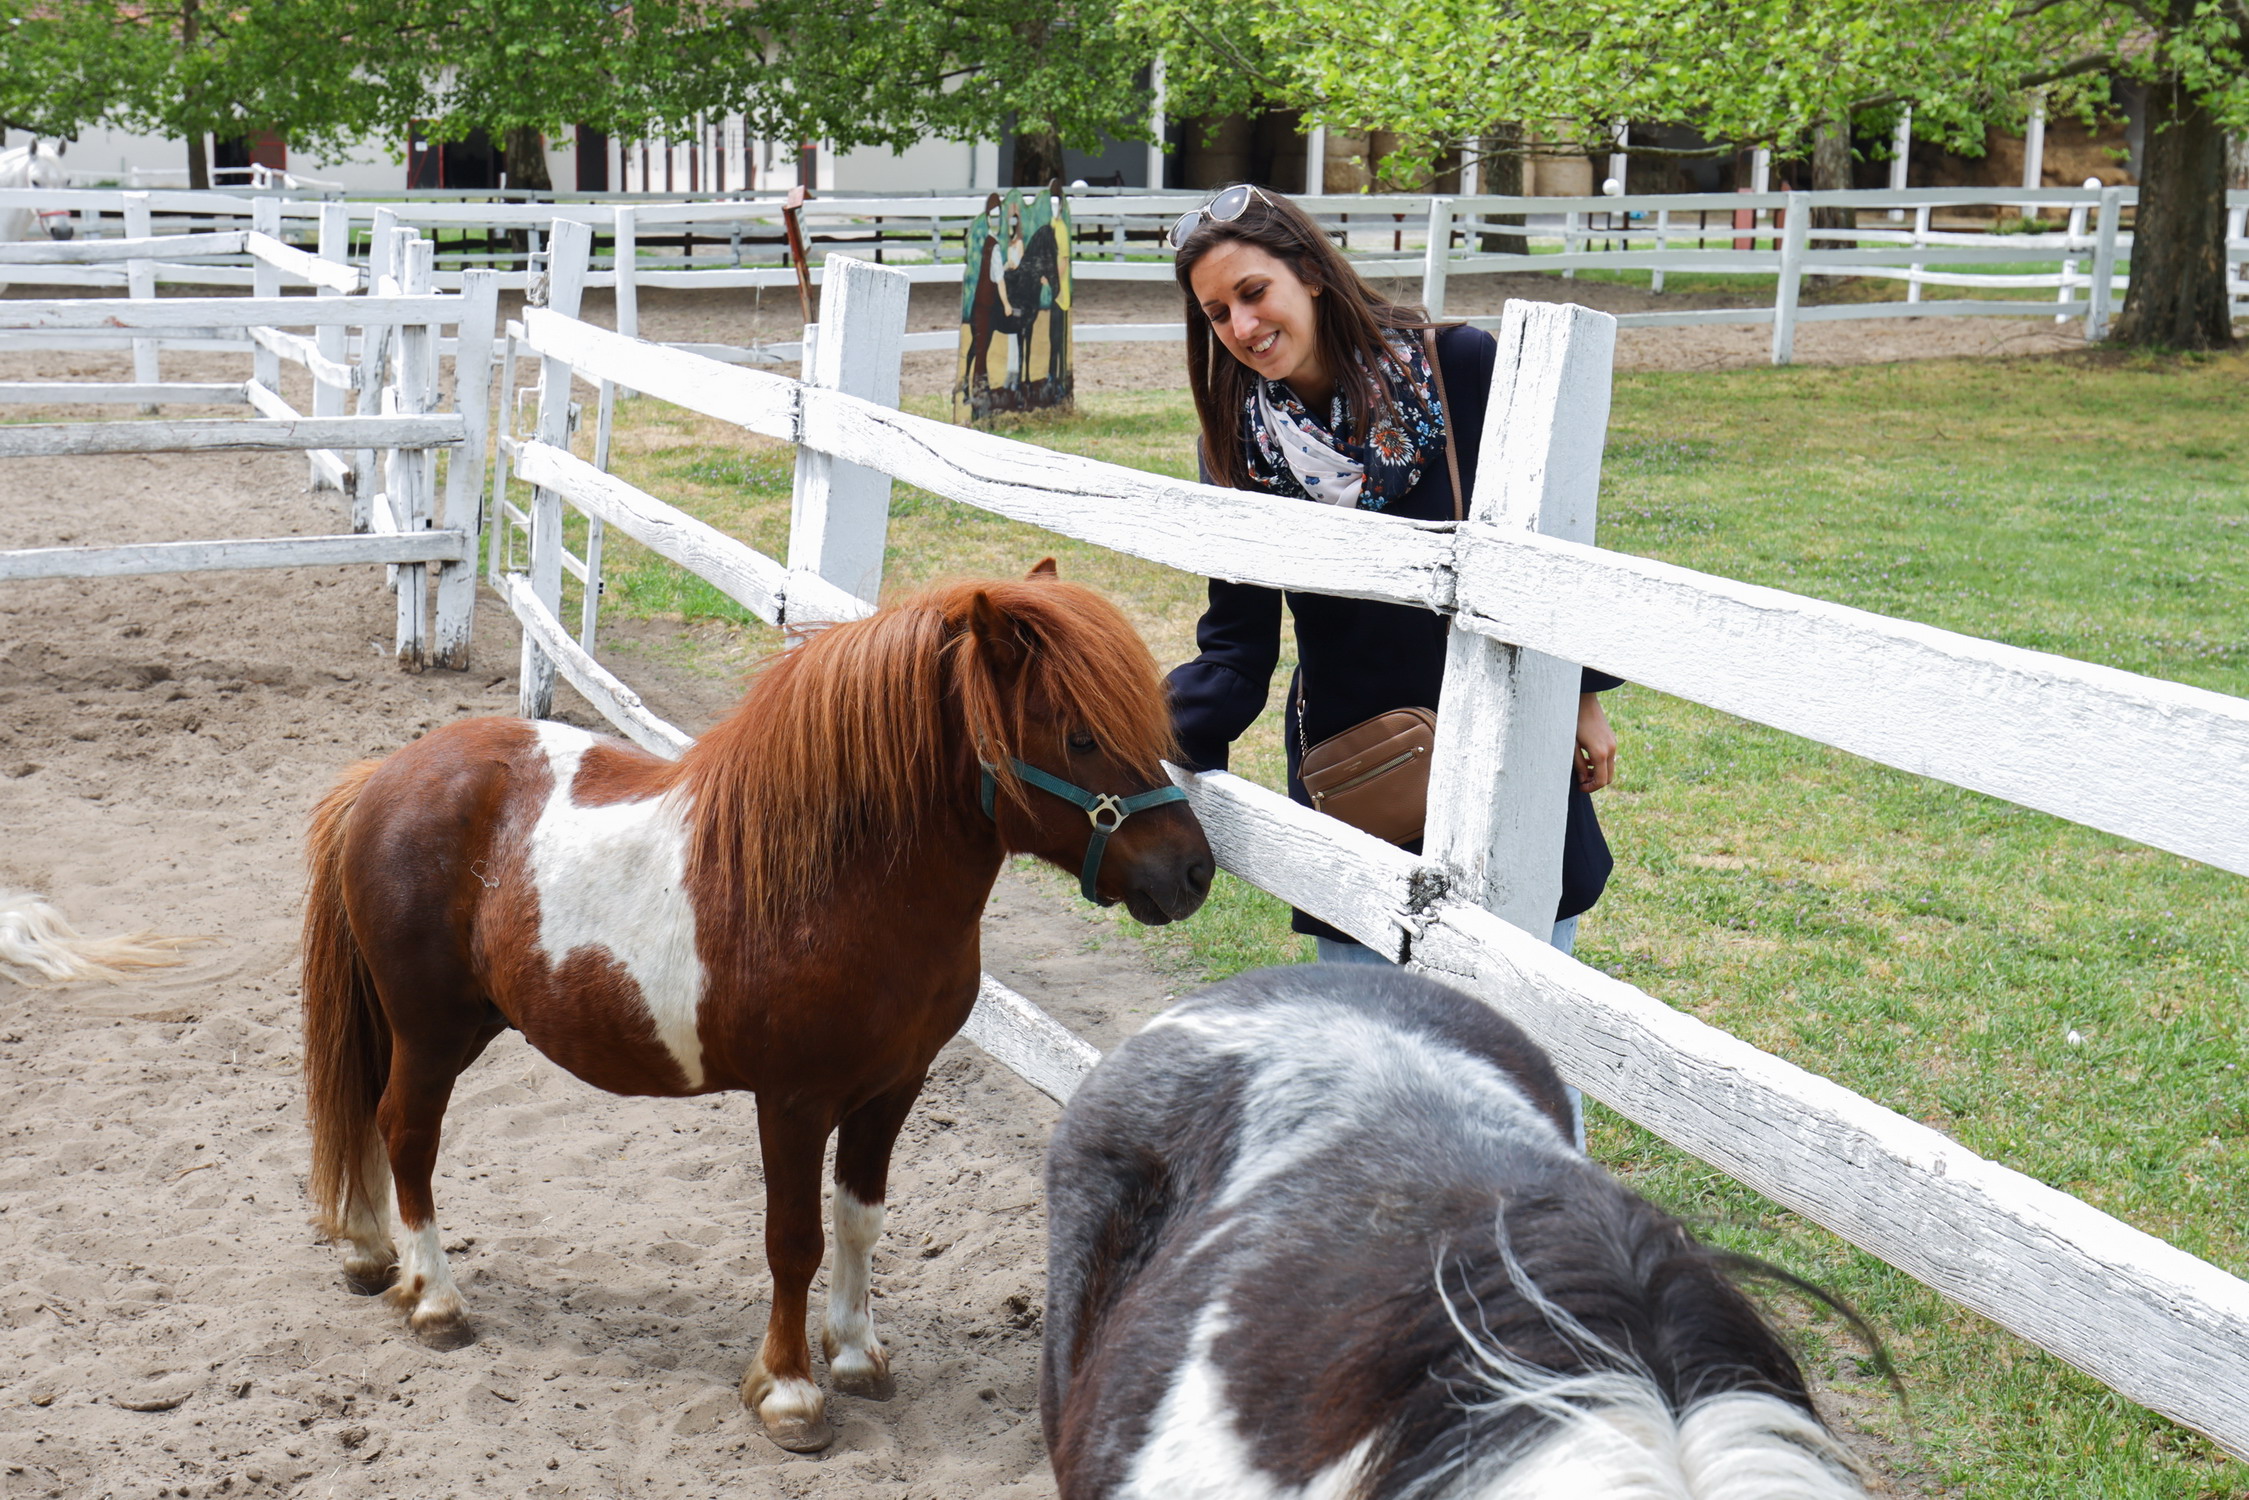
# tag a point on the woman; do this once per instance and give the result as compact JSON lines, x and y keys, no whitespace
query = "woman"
{"x":1312,"y":384}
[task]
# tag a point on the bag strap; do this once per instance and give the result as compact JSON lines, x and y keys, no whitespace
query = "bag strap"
{"x":1452,"y":459}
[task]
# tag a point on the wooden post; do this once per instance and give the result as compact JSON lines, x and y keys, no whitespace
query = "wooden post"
{"x":2099,"y":295}
{"x":464,"y":473}
{"x":410,"y":471}
{"x":1663,"y":243}
{"x":1435,"y":257}
{"x":567,"y":253}
{"x":1901,"y":155}
{"x":374,"y":358}
{"x":140,"y":283}
{"x":627,"y":258}
{"x":1316,"y":162}
{"x":2077,"y":217}
{"x":503,"y":426}
{"x":1498,"y":787}
{"x":1570,"y":238}
{"x":1920,"y":237}
{"x":265,"y":281}
{"x":1791,"y":279}
{"x":332,"y":340}
{"x":840,"y":513}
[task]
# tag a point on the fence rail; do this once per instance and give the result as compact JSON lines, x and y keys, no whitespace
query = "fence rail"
{"x":1529,"y":596}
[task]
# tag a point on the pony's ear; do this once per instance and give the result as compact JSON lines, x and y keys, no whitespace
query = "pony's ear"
{"x":1043,"y":568}
{"x":997,"y":635}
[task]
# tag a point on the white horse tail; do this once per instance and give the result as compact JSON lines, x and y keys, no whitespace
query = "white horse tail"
{"x":37,"y":946}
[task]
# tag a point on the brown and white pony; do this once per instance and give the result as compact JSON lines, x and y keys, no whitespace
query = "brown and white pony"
{"x":1321,"y":1233}
{"x":790,"y":908}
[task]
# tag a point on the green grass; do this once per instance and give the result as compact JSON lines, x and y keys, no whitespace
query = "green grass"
{"x":1928,"y":947}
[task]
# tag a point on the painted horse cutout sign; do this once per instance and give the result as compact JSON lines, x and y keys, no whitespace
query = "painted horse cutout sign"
{"x":1015,"y":308}
{"x":790,"y":909}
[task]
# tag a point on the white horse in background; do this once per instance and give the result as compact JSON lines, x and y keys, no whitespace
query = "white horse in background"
{"x":38,"y":165}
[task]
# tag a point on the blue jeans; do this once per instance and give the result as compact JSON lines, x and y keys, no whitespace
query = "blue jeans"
{"x":1343,"y":951}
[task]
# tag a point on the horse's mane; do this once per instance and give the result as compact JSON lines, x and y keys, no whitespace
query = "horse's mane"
{"x":849,"y":746}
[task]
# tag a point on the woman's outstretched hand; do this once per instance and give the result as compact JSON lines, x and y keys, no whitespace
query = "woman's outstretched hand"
{"x":1596,"y":744}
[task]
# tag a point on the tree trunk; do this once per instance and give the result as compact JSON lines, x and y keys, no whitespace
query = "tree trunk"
{"x":1831,"y":173}
{"x":1038,"y":158}
{"x":2177,"y":295}
{"x":198,"y":159}
{"x":198,"y":143}
{"x":523,"y":156}
{"x":1503,"y":175}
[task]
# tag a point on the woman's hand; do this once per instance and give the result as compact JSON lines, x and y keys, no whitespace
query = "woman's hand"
{"x":1596,"y":744}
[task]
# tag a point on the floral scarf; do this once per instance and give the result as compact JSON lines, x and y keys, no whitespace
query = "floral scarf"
{"x":1290,"y":452}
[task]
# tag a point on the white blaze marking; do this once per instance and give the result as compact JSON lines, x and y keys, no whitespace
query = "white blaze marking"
{"x":614,"y":878}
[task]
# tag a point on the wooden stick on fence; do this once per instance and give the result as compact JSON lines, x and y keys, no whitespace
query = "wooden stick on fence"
{"x":1436,"y":256}
{"x":411,"y":472}
{"x":1791,"y":284}
{"x":2102,"y":294}
{"x":840,"y":511}
{"x":265,"y":281}
{"x":332,"y":340}
{"x":1496,"y":795}
{"x":567,"y":253}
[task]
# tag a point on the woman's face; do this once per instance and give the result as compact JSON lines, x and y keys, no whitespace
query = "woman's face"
{"x":1264,"y":314}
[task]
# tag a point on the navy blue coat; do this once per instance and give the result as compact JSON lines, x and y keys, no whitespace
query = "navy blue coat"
{"x":1361,"y":658}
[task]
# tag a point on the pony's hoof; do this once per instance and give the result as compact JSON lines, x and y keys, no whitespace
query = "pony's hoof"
{"x":369,"y":1280}
{"x":793,"y":1412}
{"x":862,"y":1376}
{"x":452,"y":1331}
{"x":799,"y":1434}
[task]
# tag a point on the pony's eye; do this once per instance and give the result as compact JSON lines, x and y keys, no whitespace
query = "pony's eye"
{"x":1082,"y":743}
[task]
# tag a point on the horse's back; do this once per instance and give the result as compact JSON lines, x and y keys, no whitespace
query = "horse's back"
{"x":1305,"y":1221}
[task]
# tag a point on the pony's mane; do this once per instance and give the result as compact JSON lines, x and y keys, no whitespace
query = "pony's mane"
{"x":850,"y":745}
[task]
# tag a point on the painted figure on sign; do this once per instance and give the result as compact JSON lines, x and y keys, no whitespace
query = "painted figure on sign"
{"x":1018,"y":286}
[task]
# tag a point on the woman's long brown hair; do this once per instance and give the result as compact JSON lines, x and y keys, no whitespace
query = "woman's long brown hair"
{"x":1350,"y":317}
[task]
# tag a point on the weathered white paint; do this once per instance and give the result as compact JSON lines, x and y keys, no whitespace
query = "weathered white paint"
{"x":1357,"y":882}
{"x":229,"y":435}
{"x":2133,"y":755}
{"x":1031,"y":1043}
{"x":2102,"y":293}
{"x":614,"y":701}
{"x":102,"y":252}
{"x":840,"y":511}
{"x":171,"y":313}
{"x":320,"y":270}
{"x":72,"y":392}
{"x":1791,"y":282}
{"x":1498,"y":782}
{"x":326,"y":465}
{"x":410,"y":474}
{"x":1436,"y":256}
{"x":613,"y":878}
{"x":461,"y":507}
{"x":226,"y":556}
{"x":298,"y":349}
{"x":331,"y":341}
{"x":140,"y":285}
{"x":265,"y":283}
{"x":567,"y":252}
{"x":1201,"y":528}
{"x":741,"y":572}
{"x":2162,"y":1327}
{"x":762,"y":402}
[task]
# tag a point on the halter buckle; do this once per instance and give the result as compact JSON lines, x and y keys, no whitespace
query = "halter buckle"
{"x":1106,"y":802}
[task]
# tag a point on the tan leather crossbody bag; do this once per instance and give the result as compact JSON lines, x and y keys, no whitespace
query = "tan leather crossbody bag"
{"x":1375,"y":775}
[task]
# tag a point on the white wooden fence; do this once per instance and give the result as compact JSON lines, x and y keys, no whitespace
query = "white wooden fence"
{"x":1529,"y":596}
{"x":2090,"y":256}
{"x":383,"y":455}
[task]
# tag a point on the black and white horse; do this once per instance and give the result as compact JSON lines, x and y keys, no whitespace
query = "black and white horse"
{"x":1320,"y":1233}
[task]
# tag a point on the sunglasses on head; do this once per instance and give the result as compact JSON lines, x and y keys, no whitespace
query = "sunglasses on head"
{"x":1223,"y":209}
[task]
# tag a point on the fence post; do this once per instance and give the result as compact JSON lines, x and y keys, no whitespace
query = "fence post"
{"x":1434,"y":259}
{"x":1569,"y":243}
{"x":1920,"y":237}
{"x":1498,"y":799}
{"x":140,"y":284}
{"x":374,"y":360}
{"x":627,"y":267}
{"x":1791,"y":279}
{"x":2099,"y":295}
{"x":464,"y":470}
{"x":410,"y":471}
{"x":332,"y":341}
{"x":265,"y":281}
{"x":568,"y":250}
{"x":840,"y":512}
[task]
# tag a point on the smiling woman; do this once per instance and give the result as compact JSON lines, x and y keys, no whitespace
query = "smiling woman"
{"x":1310,"y":384}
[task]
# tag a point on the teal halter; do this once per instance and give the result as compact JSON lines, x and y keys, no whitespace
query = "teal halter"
{"x":1098,"y":806}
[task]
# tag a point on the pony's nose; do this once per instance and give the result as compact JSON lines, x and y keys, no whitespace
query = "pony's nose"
{"x":1197,"y":879}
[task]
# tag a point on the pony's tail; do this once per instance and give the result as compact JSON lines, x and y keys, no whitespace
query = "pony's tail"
{"x":37,"y":947}
{"x":347,"y":1042}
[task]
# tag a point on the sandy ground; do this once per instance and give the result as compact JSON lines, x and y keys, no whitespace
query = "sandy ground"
{"x":169,"y":1325}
